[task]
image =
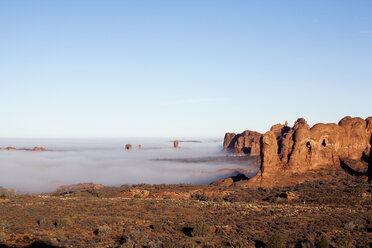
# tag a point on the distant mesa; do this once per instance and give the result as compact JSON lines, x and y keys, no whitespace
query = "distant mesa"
{"x":288,"y":155}
{"x":175,"y":144}
{"x":36,"y":148}
{"x":128,"y":147}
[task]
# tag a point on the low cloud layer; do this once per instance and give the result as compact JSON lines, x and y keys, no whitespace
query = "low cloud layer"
{"x":106,"y":162}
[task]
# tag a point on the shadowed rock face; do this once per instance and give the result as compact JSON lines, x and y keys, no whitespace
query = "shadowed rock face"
{"x":301,"y":149}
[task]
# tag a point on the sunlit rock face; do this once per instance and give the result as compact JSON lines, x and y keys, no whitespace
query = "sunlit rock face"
{"x":248,"y":142}
{"x":37,"y":148}
{"x":301,"y":149}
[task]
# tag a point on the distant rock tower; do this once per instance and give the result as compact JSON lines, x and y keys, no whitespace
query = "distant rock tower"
{"x":175,"y":143}
{"x":139,"y":146}
{"x":128,"y":147}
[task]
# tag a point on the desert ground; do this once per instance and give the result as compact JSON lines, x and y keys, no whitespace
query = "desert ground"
{"x":333,"y":205}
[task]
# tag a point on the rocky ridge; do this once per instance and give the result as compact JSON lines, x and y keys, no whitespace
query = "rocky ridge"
{"x":288,"y":155}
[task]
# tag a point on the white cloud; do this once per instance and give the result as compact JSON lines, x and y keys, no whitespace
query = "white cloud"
{"x":365,"y":32}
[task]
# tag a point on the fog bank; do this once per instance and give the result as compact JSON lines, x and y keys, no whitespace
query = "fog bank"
{"x":104,"y":161}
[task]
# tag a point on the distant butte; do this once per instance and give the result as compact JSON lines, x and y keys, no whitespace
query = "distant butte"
{"x":36,"y":148}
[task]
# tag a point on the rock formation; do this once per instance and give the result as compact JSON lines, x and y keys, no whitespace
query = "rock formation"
{"x":301,"y":149}
{"x":247,"y":142}
{"x":139,"y":146}
{"x":36,"y":148}
{"x":79,"y":187}
{"x":175,"y":143}
{"x":128,"y":147}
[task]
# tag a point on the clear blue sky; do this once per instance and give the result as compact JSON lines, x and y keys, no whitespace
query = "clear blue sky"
{"x":180,"y":68}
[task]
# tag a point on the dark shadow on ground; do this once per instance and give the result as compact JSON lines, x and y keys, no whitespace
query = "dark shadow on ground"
{"x":350,"y":170}
{"x":187,"y":231}
{"x":37,"y":244}
{"x":239,"y":177}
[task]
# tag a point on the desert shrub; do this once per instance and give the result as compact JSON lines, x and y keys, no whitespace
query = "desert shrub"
{"x":45,"y":223}
{"x":200,"y":197}
{"x":307,"y":243}
{"x":347,"y":244}
{"x":275,"y":241}
{"x":323,"y":242}
{"x":201,"y":230}
{"x":125,"y":187}
{"x":3,"y":225}
{"x":167,"y":244}
{"x":240,"y":242}
{"x":62,"y":223}
{"x":157,"y":227}
{"x":7,"y":193}
{"x":103,"y":232}
{"x":2,"y":237}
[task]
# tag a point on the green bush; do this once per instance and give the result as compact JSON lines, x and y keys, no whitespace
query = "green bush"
{"x":275,"y":241}
{"x":201,"y":230}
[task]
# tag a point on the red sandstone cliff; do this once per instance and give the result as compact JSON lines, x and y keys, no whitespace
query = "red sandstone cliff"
{"x":301,"y":149}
